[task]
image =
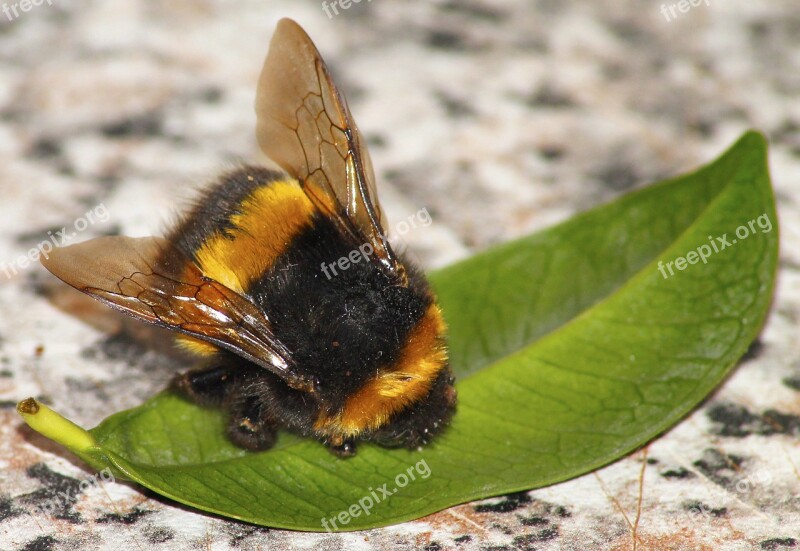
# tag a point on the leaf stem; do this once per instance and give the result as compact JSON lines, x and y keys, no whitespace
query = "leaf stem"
{"x":48,"y":423}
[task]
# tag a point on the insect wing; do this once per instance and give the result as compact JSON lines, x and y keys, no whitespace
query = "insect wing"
{"x":149,"y":279}
{"x":305,"y":126}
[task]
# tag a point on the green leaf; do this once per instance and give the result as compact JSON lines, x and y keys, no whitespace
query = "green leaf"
{"x":570,"y":347}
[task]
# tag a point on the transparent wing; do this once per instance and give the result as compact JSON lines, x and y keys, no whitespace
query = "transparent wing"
{"x":305,"y":126}
{"x":149,"y":279}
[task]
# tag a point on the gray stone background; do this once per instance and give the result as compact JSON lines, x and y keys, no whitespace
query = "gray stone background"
{"x":499,"y":117}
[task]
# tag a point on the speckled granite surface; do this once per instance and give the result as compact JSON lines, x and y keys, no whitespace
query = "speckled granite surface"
{"x":499,"y":117}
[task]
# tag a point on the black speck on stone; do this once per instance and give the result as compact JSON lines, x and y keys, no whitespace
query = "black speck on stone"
{"x":108,"y":180}
{"x":6,"y":372}
{"x":792,"y":382}
{"x":147,"y":124}
{"x":42,"y":543}
{"x":453,"y":106}
{"x":735,"y":420}
{"x":630,"y":33}
{"x":502,"y":528}
{"x":119,"y":346}
{"x":698,"y":507}
{"x":614,"y":70}
{"x":759,"y":29}
{"x":7,"y":509}
{"x":679,"y":473}
{"x":128,"y":518}
{"x":753,"y":351}
{"x":534,"y":521}
{"x":212,"y":94}
{"x":466,"y":538}
{"x":788,"y":133}
{"x":376,"y":140}
{"x":45,"y":148}
{"x":548,"y":96}
{"x":433,"y":546}
{"x":719,"y":467}
{"x":551,"y":152}
{"x":159,"y":534}
{"x":511,"y":502}
{"x":474,"y":10}
{"x":703,"y":127}
{"x":240,"y":532}
{"x":618,"y":175}
{"x":652,"y":461}
{"x":779,"y":543}
{"x":65,"y":169}
{"x":57,"y":496}
{"x":777,"y":422}
{"x":547,"y":534}
{"x":7,"y":404}
{"x":114,"y":229}
{"x":562,"y":511}
{"x":526,"y":541}
{"x":445,"y":40}
{"x":34,"y":237}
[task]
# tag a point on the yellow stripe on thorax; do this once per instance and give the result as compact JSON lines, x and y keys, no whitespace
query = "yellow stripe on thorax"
{"x":271,"y":216}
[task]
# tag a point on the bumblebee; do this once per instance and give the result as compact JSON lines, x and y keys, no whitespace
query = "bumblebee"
{"x":246,"y":280}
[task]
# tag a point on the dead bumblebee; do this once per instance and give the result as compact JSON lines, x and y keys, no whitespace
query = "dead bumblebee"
{"x":360,"y":355}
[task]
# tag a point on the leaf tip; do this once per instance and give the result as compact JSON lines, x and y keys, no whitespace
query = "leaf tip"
{"x":754,"y":138}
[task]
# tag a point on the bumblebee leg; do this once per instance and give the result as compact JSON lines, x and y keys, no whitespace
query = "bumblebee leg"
{"x":341,"y":447}
{"x":248,"y":427}
{"x":207,"y":386}
{"x":204,"y":386}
